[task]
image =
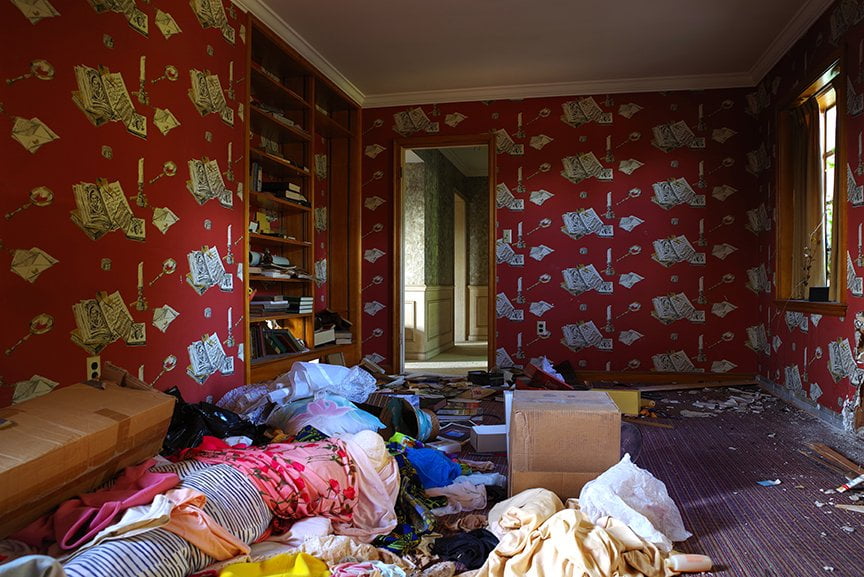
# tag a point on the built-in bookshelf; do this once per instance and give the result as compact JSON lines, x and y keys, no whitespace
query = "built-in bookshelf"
{"x":294,"y":115}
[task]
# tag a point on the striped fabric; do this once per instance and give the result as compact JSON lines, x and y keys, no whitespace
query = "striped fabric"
{"x":231,"y":500}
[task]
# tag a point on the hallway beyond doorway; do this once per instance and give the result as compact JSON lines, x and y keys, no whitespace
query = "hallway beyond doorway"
{"x":457,"y":360}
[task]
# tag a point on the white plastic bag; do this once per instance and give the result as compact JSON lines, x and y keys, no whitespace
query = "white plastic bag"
{"x":307,"y":379}
{"x":637,"y":498}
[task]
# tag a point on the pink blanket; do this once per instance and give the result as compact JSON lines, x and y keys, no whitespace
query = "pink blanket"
{"x":77,"y":520}
{"x":296,"y":480}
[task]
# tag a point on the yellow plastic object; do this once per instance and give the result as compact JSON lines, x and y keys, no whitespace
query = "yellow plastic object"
{"x":629,"y":402}
{"x":286,"y":565}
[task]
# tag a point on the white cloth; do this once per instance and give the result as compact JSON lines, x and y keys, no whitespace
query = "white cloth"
{"x":304,"y":529}
{"x":465,"y":493}
{"x":377,"y":489}
{"x":135,"y":520}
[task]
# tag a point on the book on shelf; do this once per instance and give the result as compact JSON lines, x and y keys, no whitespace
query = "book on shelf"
{"x":295,"y":344}
{"x":257,"y":176}
{"x":276,"y":308}
{"x":288,"y":298}
{"x":287,"y":190}
{"x":269,"y":342}
{"x":296,"y":197}
{"x":275,"y":273}
{"x":325,"y":336}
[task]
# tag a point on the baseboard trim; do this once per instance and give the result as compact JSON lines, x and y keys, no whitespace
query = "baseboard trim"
{"x":654,"y":377}
{"x":827,"y":416}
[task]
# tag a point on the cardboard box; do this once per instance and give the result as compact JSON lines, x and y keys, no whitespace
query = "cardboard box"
{"x":560,"y":440}
{"x":629,"y":402}
{"x":489,"y":438}
{"x":71,"y":441}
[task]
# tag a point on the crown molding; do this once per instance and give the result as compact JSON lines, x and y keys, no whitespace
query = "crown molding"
{"x":807,"y":15}
{"x":520,"y":91}
{"x":282,"y":29}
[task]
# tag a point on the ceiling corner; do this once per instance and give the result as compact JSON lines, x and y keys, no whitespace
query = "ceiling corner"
{"x":807,"y":15}
{"x":282,"y":29}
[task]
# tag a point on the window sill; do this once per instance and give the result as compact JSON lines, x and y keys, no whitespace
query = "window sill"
{"x":829,"y":309}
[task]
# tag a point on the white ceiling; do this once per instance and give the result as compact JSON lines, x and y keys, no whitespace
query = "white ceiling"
{"x":398,"y":52}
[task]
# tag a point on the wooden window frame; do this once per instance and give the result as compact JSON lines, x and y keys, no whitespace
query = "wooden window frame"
{"x":836,"y":74}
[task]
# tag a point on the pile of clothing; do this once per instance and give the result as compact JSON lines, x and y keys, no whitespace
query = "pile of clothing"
{"x":306,"y":486}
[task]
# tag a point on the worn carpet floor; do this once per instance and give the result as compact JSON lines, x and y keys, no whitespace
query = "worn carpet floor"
{"x":712,"y":467}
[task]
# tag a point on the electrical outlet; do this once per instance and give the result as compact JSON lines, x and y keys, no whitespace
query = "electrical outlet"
{"x":541,"y":328}
{"x":94,"y":368}
{"x":507,"y":236}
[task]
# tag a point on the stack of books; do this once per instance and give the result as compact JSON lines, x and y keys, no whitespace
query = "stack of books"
{"x":268,"y":305}
{"x":344,"y":336}
{"x":287,"y":190}
{"x":268,"y":342}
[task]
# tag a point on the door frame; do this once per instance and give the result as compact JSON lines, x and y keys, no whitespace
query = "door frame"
{"x":399,"y":147}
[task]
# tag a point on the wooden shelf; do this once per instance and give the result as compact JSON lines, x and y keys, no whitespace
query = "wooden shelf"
{"x":286,"y":131}
{"x":265,"y":87}
{"x":267,"y":200}
{"x":329,"y":127}
{"x":271,"y":366}
{"x":279,"y":317}
{"x":262,"y":278}
{"x":263,"y":238}
{"x":294,"y":116}
{"x":271,"y":160}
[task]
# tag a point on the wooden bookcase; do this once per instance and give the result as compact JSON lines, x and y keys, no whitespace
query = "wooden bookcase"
{"x":293,"y":115}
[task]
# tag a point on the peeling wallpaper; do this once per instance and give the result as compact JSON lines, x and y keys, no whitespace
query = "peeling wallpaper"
{"x":123,"y":208}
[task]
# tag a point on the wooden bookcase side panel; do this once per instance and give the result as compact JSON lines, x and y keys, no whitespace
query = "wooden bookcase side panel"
{"x":292,"y":108}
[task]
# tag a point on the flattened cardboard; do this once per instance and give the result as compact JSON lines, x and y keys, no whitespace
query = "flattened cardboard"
{"x":72,"y":440}
{"x":560,"y":440}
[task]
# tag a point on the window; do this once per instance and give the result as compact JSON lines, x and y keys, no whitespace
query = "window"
{"x":810,"y":199}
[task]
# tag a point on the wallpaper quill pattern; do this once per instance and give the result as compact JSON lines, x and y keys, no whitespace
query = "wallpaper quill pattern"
{"x":627,"y":222}
{"x":641,"y":228}
{"x":122,"y":176}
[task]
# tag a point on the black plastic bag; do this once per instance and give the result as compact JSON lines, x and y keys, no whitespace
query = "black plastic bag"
{"x":191,"y":422}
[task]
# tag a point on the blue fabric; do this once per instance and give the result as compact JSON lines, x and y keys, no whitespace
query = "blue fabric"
{"x":433,"y":467}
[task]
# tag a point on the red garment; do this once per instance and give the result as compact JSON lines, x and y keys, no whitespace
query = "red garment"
{"x":77,"y":520}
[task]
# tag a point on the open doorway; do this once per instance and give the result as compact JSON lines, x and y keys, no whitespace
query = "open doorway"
{"x":443,"y":252}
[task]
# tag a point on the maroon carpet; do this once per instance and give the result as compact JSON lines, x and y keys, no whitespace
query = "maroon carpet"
{"x":711,"y":467}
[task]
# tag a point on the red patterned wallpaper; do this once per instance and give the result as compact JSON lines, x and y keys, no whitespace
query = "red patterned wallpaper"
{"x":123,"y":211}
{"x":813,"y":358}
{"x":634,"y":211}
